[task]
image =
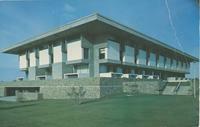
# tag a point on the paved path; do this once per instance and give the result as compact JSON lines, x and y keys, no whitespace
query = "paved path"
{"x":8,"y":98}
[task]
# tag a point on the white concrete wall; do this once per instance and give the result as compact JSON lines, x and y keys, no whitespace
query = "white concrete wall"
{"x":129,"y":54}
{"x":74,"y":51}
{"x":168,"y":63}
{"x":32,"y":59}
{"x":161,"y":61}
{"x":23,"y":63}
{"x":106,"y":53}
{"x":44,"y":57}
{"x":113,"y":51}
{"x":152,"y":59}
{"x":141,"y":57}
{"x":58,"y":55}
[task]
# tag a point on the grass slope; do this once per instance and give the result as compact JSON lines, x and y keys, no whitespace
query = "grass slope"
{"x":117,"y":111}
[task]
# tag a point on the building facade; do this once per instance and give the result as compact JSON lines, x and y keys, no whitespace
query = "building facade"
{"x":95,"y":46}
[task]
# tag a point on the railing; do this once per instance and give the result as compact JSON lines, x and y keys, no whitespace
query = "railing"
{"x":139,"y":76}
{"x":111,"y":75}
{"x":177,"y":87}
{"x":177,"y":79}
{"x":129,"y":76}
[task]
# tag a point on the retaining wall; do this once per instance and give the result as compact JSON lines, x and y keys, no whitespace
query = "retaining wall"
{"x":28,"y":96}
{"x":91,"y":87}
{"x":142,"y":86}
{"x":2,"y":91}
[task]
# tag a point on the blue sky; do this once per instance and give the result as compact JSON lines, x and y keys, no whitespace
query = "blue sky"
{"x":20,"y":20}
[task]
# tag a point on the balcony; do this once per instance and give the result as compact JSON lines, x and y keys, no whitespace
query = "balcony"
{"x":133,"y":76}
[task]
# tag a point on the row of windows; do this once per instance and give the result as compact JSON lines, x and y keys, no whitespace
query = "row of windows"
{"x":28,"y":60}
{"x":152,"y":60}
{"x":111,"y":52}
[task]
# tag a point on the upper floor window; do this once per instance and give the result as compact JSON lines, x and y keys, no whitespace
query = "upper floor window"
{"x":102,"y":53}
{"x":85,"y":53}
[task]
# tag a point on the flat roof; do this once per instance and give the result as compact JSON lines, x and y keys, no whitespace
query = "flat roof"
{"x":88,"y":19}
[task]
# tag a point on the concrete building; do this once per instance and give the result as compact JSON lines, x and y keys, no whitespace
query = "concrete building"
{"x":96,"y":46}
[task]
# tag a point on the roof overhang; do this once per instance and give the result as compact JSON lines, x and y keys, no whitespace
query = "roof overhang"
{"x":89,"y":22}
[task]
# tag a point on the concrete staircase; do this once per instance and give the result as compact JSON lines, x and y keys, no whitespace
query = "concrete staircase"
{"x":169,"y":90}
{"x":185,"y":90}
{"x":177,"y":88}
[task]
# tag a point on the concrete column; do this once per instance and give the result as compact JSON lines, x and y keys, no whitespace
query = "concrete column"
{"x":57,"y":70}
{"x":165,"y":61}
{"x":34,"y":62}
{"x":171,"y":61}
{"x":26,"y":74}
{"x":32,"y":73}
{"x":95,"y":58}
{"x":157,"y":59}
{"x":59,"y":66}
{"x":147,"y":56}
{"x":87,"y":44}
{"x":136,"y":55}
{"x":91,"y":61}
{"x":96,"y":61}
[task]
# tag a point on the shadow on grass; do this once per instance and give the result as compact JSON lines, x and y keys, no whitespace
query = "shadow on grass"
{"x":21,"y":105}
{"x":86,"y":101}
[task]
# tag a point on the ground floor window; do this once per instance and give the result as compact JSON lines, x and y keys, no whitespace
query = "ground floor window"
{"x":82,"y":68}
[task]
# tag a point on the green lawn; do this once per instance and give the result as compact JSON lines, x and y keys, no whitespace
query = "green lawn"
{"x":116,"y":111}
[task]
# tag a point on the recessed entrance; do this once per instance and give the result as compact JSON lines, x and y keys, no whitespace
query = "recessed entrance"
{"x":10,"y":91}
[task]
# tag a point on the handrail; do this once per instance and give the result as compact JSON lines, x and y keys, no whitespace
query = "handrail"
{"x":177,"y":87}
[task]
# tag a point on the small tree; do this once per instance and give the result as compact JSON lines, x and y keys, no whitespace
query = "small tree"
{"x":77,"y":93}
